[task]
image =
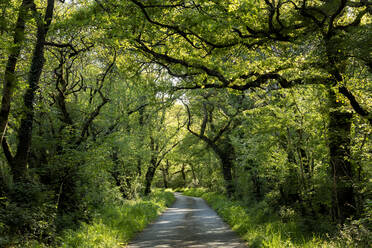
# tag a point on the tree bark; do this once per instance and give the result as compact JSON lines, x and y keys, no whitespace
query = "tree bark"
{"x":341,"y":168}
{"x":227,"y":175}
{"x":115,"y":173}
{"x":155,"y":161}
{"x":149,"y":176}
{"x":165,"y":174}
{"x":9,"y":75}
{"x":183,"y":173}
{"x":221,"y":147}
{"x":225,"y":153}
{"x":19,"y":163}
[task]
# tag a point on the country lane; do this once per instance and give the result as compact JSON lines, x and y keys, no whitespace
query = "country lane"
{"x":190,"y":222}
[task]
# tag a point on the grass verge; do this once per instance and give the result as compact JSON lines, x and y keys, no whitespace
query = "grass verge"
{"x":114,"y":226}
{"x":259,"y":226}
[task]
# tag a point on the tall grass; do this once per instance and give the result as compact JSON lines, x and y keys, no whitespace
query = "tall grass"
{"x":259,"y":226}
{"x":114,"y":226}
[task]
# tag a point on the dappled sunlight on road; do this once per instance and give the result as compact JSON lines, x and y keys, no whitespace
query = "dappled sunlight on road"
{"x":188,"y":223}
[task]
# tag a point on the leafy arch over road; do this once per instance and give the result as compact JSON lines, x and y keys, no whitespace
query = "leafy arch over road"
{"x":251,"y":44}
{"x":265,"y":100}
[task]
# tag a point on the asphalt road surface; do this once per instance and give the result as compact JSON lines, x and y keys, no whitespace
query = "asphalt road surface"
{"x":190,"y":222}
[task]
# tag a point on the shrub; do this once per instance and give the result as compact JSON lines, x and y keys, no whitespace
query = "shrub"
{"x":355,"y":234}
{"x":28,"y":212}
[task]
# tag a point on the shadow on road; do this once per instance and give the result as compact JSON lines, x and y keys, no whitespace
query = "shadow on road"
{"x":190,"y":222}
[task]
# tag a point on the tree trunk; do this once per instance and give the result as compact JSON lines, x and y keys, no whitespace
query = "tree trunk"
{"x":9,"y":75}
{"x":341,"y":170}
{"x":222,"y":147}
{"x":139,"y":167}
{"x":227,"y":175}
{"x":183,"y":173}
{"x":19,"y":163}
{"x":256,"y":185}
{"x":165,"y":175}
{"x":149,"y":176}
{"x":193,"y":174}
{"x":115,"y":173}
{"x":226,"y":154}
{"x":141,"y":123}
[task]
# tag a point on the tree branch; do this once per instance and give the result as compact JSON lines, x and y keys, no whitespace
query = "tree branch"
{"x":172,"y":60}
{"x":7,"y":152}
{"x":355,"y":105}
{"x":166,"y":152}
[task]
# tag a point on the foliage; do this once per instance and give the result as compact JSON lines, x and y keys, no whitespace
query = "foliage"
{"x":198,"y":192}
{"x":261,"y":227}
{"x":265,"y":101}
{"x":29,"y":212}
{"x":115,"y":225}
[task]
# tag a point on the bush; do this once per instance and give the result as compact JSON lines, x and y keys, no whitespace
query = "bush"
{"x":355,"y":234}
{"x":28,"y":212}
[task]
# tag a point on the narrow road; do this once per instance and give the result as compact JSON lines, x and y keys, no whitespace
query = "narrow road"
{"x":190,"y":222}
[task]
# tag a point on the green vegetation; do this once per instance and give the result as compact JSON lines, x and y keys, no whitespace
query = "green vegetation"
{"x":267,"y":102}
{"x":261,"y":226}
{"x":114,"y":226}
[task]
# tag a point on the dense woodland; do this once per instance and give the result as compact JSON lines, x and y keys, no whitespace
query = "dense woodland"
{"x":266,"y":101}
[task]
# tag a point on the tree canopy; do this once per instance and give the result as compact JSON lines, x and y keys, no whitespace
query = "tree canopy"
{"x":266,"y":101}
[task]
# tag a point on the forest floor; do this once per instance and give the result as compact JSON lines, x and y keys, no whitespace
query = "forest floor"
{"x":189,"y":222}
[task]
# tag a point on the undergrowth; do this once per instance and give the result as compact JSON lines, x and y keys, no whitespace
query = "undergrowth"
{"x":260,"y":226}
{"x":114,"y":226}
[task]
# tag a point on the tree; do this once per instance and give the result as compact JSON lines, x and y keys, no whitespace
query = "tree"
{"x":91,"y":115}
{"x":216,"y":135}
{"x":160,"y":144}
{"x":276,"y":50}
{"x":18,"y":163}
